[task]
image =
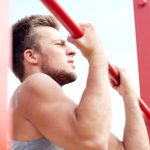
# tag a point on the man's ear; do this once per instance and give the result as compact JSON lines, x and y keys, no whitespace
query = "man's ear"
{"x":31,"y":56}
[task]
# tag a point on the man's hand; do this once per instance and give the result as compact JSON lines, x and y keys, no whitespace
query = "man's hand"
{"x":125,"y":86}
{"x":135,"y":134}
{"x":90,"y":43}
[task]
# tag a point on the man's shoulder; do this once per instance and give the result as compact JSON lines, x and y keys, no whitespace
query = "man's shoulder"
{"x":37,"y":85}
{"x":38,"y":81}
{"x":37,"y":78}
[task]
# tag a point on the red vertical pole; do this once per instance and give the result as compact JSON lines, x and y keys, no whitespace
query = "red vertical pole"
{"x":4,"y":64}
{"x":142,"y":23}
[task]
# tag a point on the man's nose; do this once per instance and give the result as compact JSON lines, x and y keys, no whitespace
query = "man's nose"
{"x":70,"y":51}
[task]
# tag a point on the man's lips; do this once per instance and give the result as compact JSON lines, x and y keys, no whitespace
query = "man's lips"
{"x":71,"y":61}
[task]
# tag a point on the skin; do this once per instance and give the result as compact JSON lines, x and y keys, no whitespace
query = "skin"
{"x":135,"y":133}
{"x":147,"y":122}
{"x":40,"y":107}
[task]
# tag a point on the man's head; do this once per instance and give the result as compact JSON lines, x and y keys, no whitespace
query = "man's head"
{"x":38,"y":47}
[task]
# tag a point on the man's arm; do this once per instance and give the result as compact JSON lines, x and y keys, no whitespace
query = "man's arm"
{"x":72,"y":127}
{"x":94,"y":108}
{"x":135,"y":134}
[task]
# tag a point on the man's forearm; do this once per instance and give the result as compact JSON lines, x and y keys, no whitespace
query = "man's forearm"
{"x":147,"y":123}
{"x":94,"y":110}
{"x":135,"y":134}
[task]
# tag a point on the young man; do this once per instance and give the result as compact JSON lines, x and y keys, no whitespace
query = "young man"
{"x":43,"y":117}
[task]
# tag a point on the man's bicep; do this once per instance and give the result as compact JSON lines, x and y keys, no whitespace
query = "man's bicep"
{"x":114,"y":143}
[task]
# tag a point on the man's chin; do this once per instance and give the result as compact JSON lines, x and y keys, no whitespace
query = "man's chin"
{"x":63,"y":77}
{"x":68,"y":80}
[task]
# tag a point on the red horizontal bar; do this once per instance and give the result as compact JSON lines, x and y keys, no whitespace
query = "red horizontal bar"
{"x":73,"y":28}
{"x":77,"y":32}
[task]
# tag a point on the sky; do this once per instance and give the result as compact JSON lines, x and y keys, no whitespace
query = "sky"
{"x":114,"y":21}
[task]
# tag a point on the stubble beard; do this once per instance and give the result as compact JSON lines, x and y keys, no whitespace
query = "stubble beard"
{"x":62,"y":77}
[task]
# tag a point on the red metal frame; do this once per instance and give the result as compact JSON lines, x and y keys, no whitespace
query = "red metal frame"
{"x":142,"y":24}
{"x":4,"y":64}
{"x":62,"y":16}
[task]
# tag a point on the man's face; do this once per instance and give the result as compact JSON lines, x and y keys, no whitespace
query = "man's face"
{"x":56,"y":56}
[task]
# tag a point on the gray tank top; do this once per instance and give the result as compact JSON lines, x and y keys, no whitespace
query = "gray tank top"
{"x":40,"y":144}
